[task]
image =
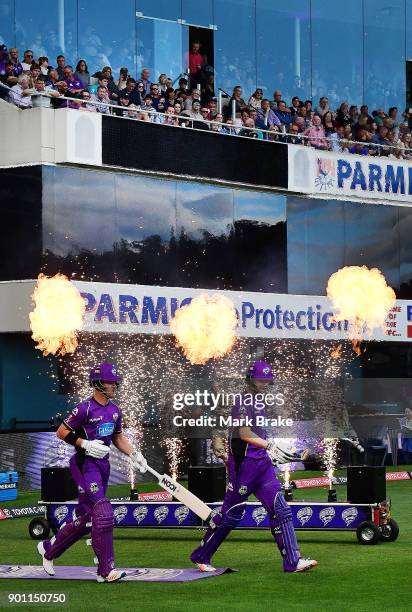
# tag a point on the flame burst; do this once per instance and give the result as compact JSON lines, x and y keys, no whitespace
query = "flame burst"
{"x":57,"y":315}
{"x":286,"y":476}
{"x":329,"y":453}
{"x":336,"y":353}
{"x":361,"y":296}
{"x":205,"y":328}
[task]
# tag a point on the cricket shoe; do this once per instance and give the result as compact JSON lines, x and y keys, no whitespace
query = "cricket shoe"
{"x":47,"y":565}
{"x":304,"y":565}
{"x":205,"y":567}
{"x":113,"y":576}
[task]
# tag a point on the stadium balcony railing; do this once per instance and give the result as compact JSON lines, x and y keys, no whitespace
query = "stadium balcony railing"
{"x":275,"y":137}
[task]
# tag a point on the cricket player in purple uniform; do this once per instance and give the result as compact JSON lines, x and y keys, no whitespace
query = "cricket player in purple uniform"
{"x":91,"y":427}
{"x":251,"y":471}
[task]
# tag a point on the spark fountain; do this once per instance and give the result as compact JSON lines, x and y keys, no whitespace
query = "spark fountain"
{"x":329,"y":455}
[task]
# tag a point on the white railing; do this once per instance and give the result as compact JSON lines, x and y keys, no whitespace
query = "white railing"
{"x":226,"y":129}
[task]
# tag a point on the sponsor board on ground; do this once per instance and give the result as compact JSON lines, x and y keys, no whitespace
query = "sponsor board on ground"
{"x":9,"y":513}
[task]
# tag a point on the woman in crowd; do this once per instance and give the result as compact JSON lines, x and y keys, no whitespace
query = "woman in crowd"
{"x":255,"y":99}
{"x":82,"y":73}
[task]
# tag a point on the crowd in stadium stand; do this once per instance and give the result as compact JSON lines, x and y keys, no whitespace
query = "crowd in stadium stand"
{"x":29,"y":82}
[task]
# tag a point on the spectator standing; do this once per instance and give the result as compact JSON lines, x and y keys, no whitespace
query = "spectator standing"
{"x":323,"y":107}
{"x":343,"y":117}
{"x":27,"y":60}
{"x":122,"y":80}
{"x":240,"y":104}
{"x":14,"y":59}
{"x":60,"y":64}
{"x":82,"y":73}
{"x":144,"y":78}
{"x":44,"y":65}
{"x":74,"y":86}
{"x":296,"y":104}
{"x":195,"y":64}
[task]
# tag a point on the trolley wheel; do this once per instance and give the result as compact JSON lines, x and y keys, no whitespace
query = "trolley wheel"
{"x":390,"y":531}
{"x":368,"y":533}
{"x":39,"y":528}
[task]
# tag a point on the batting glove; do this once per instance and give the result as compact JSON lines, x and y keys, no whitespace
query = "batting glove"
{"x":278,"y":454}
{"x":95,"y":448}
{"x":138,"y":462}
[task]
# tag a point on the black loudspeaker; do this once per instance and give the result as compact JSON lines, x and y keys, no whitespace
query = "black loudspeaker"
{"x":366,"y":484}
{"x":208,"y":482}
{"x":57,"y":484}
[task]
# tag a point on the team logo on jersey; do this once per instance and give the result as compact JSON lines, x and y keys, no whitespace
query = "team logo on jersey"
{"x":106,"y":429}
{"x":349,"y":515}
{"x":326,"y":515}
{"x":115,"y":416}
{"x":243,"y":490}
{"x":259,"y":515}
{"x":304,"y":515}
{"x":60,"y":513}
{"x":161,"y":513}
{"x":94,"y":487}
{"x":119,"y":513}
{"x":140,"y":513}
{"x":181,"y":514}
{"x":266,"y":370}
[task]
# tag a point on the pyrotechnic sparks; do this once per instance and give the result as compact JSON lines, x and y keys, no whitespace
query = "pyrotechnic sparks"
{"x":361,"y":296}
{"x":336,"y":353}
{"x":205,"y":328}
{"x":329,"y":455}
{"x":173,"y":448}
{"x":286,"y":476}
{"x":57,"y":315}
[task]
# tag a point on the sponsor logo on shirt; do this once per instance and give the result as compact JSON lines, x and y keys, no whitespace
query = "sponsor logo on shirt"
{"x":106,"y":429}
{"x":94,"y":487}
{"x":243,"y":490}
{"x":95,"y":419}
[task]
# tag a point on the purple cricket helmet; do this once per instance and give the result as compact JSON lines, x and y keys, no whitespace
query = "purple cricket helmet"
{"x":260,"y":370}
{"x":105,"y":372}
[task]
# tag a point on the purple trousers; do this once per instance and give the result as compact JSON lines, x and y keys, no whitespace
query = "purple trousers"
{"x":258,"y":477}
{"x":91,"y":477}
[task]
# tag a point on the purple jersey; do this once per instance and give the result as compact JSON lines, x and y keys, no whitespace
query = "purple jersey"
{"x":244,"y":414}
{"x":93,"y":421}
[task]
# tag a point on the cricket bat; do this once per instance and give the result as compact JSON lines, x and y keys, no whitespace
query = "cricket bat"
{"x":182,"y":494}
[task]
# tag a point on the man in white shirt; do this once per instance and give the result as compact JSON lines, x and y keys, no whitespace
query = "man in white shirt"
{"x":27,"y":60}
{"x":20,"y":93}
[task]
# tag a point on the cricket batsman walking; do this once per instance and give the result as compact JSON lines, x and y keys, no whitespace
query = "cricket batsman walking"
{"x":91,"y":427}
{"x":251,"y":471}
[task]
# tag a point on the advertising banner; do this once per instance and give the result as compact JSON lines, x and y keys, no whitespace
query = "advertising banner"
{"x":351,"y":176}
{"x":142,"y":309}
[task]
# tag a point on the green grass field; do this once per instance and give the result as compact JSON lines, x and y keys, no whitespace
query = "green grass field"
{"x":349,"y":577}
